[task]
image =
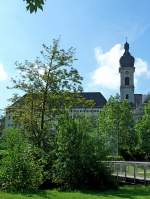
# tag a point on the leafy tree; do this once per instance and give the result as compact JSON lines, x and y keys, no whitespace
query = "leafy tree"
{"x":78,"y":156}
{"x":51,"y":86}
{"x":34,"y":5}
{"x":116,"y":126}
{"x":19,"y":170}
{"x":143,"y":130}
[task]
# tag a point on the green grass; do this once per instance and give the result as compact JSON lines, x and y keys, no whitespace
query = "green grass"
{"x":126,"y":192}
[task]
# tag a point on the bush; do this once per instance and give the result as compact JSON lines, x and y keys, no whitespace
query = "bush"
{"x":135,"y":154}
{"x":114,"y":158}
{"x":19,"y":171}
{"x":78,"y":155}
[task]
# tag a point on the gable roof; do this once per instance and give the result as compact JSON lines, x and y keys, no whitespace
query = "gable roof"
{"x":97,"y":97}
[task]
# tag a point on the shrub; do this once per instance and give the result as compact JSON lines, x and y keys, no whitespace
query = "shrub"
{"x":114,"y":158}
{"x":78,"y":155}
{"x":136,"y":154}
{"x":19,"y":171}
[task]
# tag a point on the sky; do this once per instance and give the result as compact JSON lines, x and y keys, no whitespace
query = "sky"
{"x":96,"y":28}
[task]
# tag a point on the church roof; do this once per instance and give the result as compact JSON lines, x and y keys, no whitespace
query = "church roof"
{"x":127,"y":60}
{"x":97,"y":97}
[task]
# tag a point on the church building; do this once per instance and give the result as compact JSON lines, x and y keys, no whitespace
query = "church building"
{"x":127,"y":70}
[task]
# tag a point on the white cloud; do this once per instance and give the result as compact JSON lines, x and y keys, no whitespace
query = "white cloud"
{"x":141,"y":68}
{"x":107,"y":75}
{"x":3,"y":74}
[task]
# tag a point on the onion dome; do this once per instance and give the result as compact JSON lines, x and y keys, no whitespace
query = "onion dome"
{"x":126,"y":60}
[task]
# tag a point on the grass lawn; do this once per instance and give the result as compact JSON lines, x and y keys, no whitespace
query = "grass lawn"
{"x":130,"y":192}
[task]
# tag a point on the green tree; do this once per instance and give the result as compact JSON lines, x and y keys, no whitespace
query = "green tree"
{"x":34,"y":5}
{"x":116,"y":126}
{"x":143,"y":130}
{"x":78,"y":156}
{"x":51,"y":86}
{"x":19,"y":170}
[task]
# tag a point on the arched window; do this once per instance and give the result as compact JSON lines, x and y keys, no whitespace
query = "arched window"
{"x":127,"y":96}
{"x":127,"y":81}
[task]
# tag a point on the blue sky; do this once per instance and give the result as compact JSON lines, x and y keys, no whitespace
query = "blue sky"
{"x":96,"y":28}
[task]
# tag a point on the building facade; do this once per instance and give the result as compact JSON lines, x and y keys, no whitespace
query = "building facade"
{"x":127,"y":70}
{"x":127,"y":92}
{"x":96,"y":97}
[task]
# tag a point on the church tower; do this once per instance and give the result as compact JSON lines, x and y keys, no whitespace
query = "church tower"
{"x":126,"y":71}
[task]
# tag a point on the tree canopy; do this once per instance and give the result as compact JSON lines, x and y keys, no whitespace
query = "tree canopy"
{"x":143,"y":129}
{"x":34,"y":5}
{"x":116,"y":125}
{"x":51,"y":86}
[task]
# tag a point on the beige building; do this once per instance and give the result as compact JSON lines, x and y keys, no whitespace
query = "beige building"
{"x":98,"y":99}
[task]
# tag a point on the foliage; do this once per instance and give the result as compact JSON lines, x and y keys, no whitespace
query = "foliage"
{"x":143,"y":130}
{"x":135,"y":154}
{"x":19,"y":170}
{"x":34,"y":5}
{"x":116,"y":126}
{"x":51,"y":86}
{"x":114,"y":158}
{"x":78,"y":156}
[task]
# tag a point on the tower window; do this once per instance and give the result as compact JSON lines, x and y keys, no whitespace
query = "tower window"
{"x":127,"y":81}
{"x":127,"y":96}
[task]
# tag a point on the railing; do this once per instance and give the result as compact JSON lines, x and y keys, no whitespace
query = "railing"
{"x":130,"y":171}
